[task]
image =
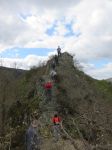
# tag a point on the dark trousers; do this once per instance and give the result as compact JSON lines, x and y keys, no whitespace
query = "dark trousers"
{"x":54,"y":78}
{"x":59,"y":53}
{"x":57,"y":132}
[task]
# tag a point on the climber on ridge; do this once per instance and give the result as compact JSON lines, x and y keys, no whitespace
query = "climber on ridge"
{"x":18,"y":103}
{"x":59,"y":51}
{"x":41,"y":81}
{"x":48,"y":90}
{"x":56,"y":60}
{"x":53,"y":64}
{"x":56,"y":120}
{"x":53,"y":75}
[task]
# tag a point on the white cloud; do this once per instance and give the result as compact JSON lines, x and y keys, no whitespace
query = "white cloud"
{"x":104,"y":72}
{"x":23,"y":63}
{"x":94,"y":22}
{"x":24,"y":24}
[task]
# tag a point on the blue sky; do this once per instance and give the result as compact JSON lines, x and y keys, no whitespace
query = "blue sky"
{"x":99,"y":63}
{"x":23,"y":52}
{"x":51,"y":31}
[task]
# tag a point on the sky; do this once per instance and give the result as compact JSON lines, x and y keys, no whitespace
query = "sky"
{"x":31,"y":30}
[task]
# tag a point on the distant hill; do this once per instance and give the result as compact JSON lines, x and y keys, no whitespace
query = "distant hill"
{"x":13,"y":71}
{"x":110,"y":79}
{"x":84,"y":104}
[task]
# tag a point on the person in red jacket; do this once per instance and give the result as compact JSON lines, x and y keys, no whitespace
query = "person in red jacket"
{"x":48,"y":90}
{"x":56,"y":120}
{"x":48,"y":85}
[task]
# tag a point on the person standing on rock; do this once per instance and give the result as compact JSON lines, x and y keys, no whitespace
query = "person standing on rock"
{"x":32,"y":136}
{"x":59,"y":51}
{"x":48,"y":90}
{"x":56,"y":120}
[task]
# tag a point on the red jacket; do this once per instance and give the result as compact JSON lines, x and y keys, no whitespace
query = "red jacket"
{"x":56,"y":120}
{"x":48,"y":85}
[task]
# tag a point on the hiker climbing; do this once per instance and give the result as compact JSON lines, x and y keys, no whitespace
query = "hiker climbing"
{"x":32,"y":136}
{"x":18,"y":103}
{"x":56,"y":120}
{"x":53,"y":64}
{"x":59,"y":51}
{"x":41,"y":81}
{"x":53,"y":75}
{"x":48,"y":90}
{"x":56,"y":60}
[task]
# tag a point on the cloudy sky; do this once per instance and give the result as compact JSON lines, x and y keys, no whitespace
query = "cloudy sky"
{"x":31,"y":30}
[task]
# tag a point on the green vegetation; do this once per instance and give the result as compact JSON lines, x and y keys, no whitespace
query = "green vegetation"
{"x":83,"y":102}
{"x":106,"y":88}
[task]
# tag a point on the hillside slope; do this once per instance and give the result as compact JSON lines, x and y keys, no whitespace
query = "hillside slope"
{"x":80,"y":100}
{"x":8,"y":83}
